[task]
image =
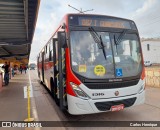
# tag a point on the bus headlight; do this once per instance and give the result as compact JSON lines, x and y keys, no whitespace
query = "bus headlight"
{"x":79,"y":92}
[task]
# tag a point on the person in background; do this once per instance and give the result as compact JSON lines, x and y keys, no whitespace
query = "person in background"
{"x":6,"y":73}
{"x":21,"y":69}
{"x":81,"y":54}
{"x":25,"y":68}
{"x":12,"y":72}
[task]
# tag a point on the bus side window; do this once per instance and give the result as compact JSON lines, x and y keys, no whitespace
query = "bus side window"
{"x":51,"y":55}
{"x":51,"y":51}
{"x":56,"y":50}
{"x":45,"y":51}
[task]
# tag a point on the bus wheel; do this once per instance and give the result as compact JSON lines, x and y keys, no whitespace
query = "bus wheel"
{"x":41,"y":82}
{"x":52,"y":88}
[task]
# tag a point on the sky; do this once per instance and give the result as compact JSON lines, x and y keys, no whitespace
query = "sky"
{"x":145,"y":13}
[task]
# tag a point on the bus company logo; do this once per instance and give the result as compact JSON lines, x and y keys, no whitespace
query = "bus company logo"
{"x":116,"y":93}
{"x":97,"y":94}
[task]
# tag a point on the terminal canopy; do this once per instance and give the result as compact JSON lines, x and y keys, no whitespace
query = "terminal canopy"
{"x":17,"y":25}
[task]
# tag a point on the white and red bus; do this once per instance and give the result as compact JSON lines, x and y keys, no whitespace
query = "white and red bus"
{"x":93,"y":63}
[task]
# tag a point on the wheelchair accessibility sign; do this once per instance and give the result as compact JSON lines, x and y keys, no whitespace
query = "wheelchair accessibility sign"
{"x":119,"y":72}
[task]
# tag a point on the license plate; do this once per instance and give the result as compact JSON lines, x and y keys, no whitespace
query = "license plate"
{"x":117,"y":107}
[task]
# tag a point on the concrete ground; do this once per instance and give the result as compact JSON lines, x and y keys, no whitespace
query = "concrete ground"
{"x":13,"y":106}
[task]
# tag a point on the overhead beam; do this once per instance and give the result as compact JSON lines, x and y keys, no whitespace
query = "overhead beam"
{"x":11,"y":36}
{"x":15,"y":33}
{"x":16,"y":40}
{"x":12,"y":33}
{"x":15,"y":27}
{"x":16,"y":43}
{"x":12,"y":30}
{"x":12,"y":24}
{"x":12,"y":16}
{"x":10,"y":12}
{"x":11,"y":3}
{"x":13,"y":8}
{"x":13,"y":55}
{"x":4,"y":49}
{"x":12,"y":20}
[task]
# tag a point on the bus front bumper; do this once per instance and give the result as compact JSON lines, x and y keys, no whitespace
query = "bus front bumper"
{"x":77,"y":106}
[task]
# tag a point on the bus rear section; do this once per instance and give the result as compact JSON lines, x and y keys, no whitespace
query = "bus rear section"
{"x":97,"y":64}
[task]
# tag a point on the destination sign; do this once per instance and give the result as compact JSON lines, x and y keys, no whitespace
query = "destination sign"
{"x":104,"y":22}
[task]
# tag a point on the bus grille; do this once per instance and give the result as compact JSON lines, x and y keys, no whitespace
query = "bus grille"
{"x":105,"y":106}
{"x":111,"y":85}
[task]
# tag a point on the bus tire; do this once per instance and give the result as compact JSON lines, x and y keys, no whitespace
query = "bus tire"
{"x":53,"y":91}
{"x":41,"y":82}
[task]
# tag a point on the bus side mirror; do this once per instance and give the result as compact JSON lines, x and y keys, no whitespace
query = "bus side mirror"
{"x":62,"y":39}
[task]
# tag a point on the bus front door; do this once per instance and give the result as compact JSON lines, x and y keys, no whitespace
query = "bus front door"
{"x":59,"y":70}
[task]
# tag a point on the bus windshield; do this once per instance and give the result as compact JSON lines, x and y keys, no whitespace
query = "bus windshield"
{"x":88,"y":59}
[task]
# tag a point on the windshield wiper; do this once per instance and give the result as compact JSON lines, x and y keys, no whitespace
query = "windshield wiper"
{"x":98,"y":40}
{"x":120,"y":37}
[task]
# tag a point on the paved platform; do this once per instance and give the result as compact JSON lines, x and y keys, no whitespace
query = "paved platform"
{"x":13,"y":106}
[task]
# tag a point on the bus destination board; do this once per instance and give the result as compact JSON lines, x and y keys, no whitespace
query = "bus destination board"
{"x":104,"y":22}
